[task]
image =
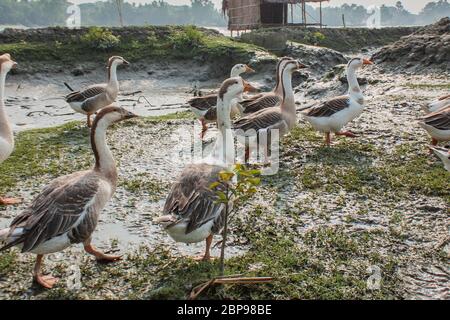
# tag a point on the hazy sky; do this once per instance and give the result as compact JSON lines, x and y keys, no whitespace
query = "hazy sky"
{"x":412,"y":5}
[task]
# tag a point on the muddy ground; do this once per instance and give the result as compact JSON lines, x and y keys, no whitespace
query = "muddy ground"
{"x":322,"y":226}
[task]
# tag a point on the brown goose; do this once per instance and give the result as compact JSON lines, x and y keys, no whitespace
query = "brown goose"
{"x":191,"y":211}
{"x":6,"y":133}
{"x":205,"y":107}
{"x":437,"y":124}
{"x":268,"y":99}
{"x":282,"y":118}
{"x":67,"y":210}
{"x":95,"y":97}
{"x":334,"y":114}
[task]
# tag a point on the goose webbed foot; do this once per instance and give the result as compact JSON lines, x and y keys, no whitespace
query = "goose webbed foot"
{"x":100,"y":256}
{"x":348,"y":134}
{"x":9,"y":201}
{"x":47,"y":281}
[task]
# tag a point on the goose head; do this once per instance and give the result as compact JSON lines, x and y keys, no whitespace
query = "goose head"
{"x":357,"y":63}
{"x":443,"y":154}
{"x":117,"y":61}
{"x":6,"y":63}
{"x":112,"y":114}
{"x":232,"y":88}
{"x":239,"y":69}
{"x":292,"y":66}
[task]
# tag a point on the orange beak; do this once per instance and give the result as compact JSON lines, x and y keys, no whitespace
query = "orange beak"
{"x":249,"y":88}
{"x":301,"y":66}
{"x":367,"y":61}
{"x":248,"y":69}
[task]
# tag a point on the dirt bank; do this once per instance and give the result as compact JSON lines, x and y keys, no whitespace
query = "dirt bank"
{"x":346,"y":40}
{"x":428,"y":48}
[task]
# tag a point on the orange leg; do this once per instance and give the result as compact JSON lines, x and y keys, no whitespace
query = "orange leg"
{"x":434,"y":142}
{"x":45,"y":281}
{"x":9,"y":201}
{"x":88,"y":121}
{"x":328,"y":139}
{"x":204,"y":128}
{"x":100,"y":256}
{"x":348,"y":134}
{"x":207,"y":255}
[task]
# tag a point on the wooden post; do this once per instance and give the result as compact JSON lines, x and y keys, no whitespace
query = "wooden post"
{"x":119,"y":9}
{"x":292,"y":13}
{"x":343,"y":20}
{"x":304,"y":10}
{"x":320,"y":14}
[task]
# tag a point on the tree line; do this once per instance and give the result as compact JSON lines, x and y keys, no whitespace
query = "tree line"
{"x":32,"y":13}
{"x":397,"y":15}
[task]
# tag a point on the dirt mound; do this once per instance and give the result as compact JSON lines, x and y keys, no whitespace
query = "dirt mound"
{"x":427,"y":48}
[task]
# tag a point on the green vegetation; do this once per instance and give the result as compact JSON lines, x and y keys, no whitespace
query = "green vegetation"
{"x":152,"y":43}
{"x":100,"y":39}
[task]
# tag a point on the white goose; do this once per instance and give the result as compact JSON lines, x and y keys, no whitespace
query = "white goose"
{"x":97,"y":96}
{"x":6,"y":133}
{"x":437,"y":104}
{"x":282,"y":118}
{"x":334,"y":114}
{"x":68,"y":209}
{"x":204,"y":107}
{"x":191,"y":213}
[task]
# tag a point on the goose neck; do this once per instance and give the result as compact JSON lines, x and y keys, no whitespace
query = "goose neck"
{"x":288,"y":104}
{"x":353,"y":85}
{"x":112,"y":75}
{"x":224,"y":149}
{"x":5,"y":127}
{"x":104,"y":161}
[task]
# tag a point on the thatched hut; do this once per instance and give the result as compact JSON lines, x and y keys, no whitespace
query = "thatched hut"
{"x":252,"y":14}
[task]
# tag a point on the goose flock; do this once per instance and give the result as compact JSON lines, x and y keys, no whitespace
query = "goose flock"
{"x":67,"y":210}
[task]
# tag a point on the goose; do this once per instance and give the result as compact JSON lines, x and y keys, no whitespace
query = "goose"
{"x":205,"y":107}
{"x":67,"y":210}
{"x":334,"y":114}
{"x":6,"y":133}
{"x":437,"y":104}
{"x":443,"y":154}
{"x":282,"y":118}
{"x":267,"y":99}
{"x":97,"y":96}
{"x":191,"y":213}
{"x":437,"y":124}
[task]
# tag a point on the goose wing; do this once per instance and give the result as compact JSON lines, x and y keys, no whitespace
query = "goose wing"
{"x":439,"y":119}
{"x":203,"y":103}
{"x":269,"y":118}
{"x":329,"y":108}
{"x":55,"y":211}
{"x":192,"y":199}
{"x":266,"y":101}
{"x":90,"y":92}
{"x":211,"y":114}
